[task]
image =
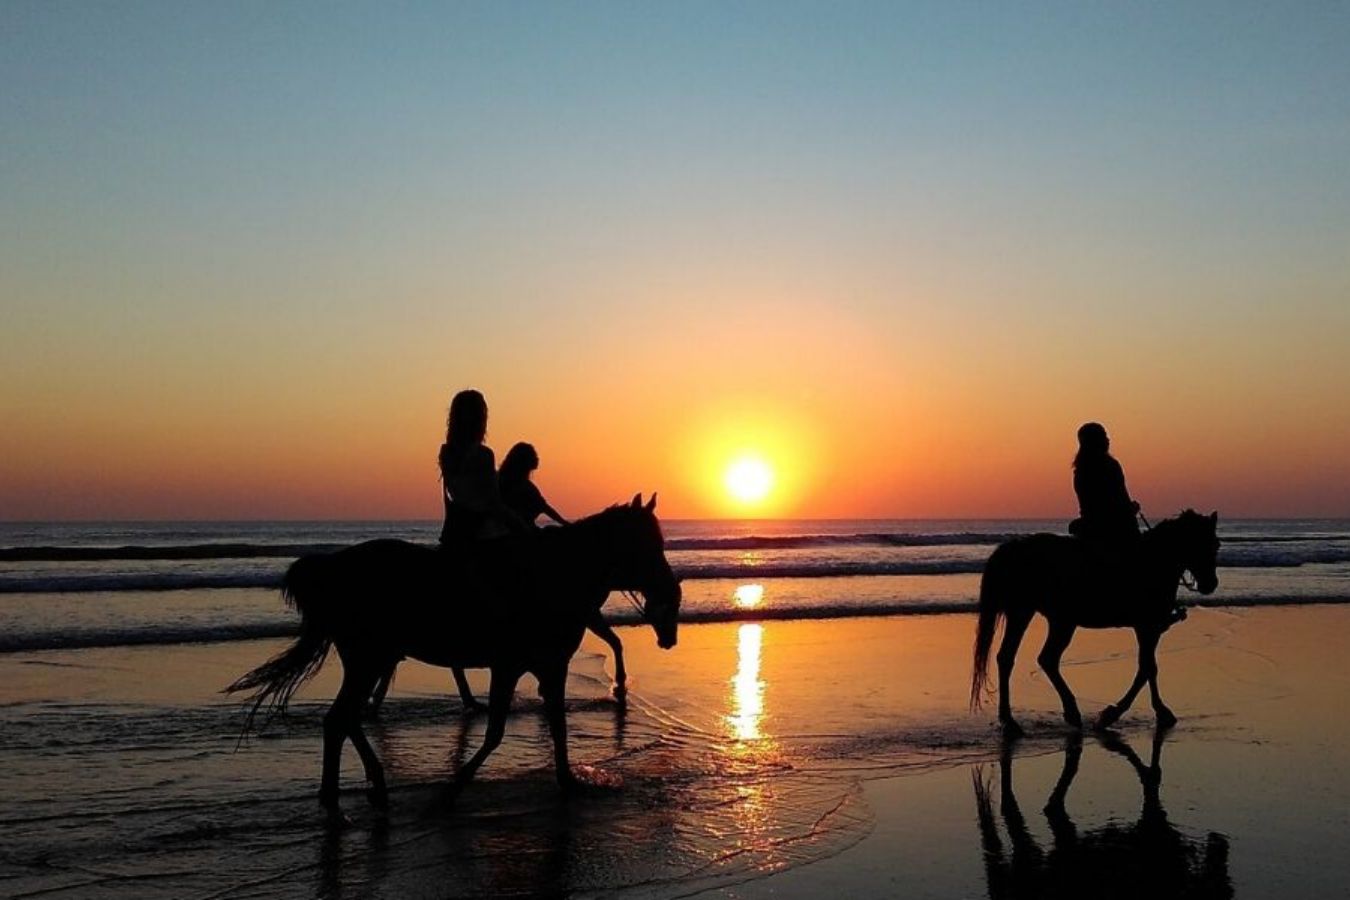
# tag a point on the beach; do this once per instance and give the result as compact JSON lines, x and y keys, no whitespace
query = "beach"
{"x":777,"y":758}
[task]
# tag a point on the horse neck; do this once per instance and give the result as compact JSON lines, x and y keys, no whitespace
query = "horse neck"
{"x":1163,"y":549}
{"x":583,"y":554}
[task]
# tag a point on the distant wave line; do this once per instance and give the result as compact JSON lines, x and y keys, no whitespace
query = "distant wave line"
{"x":148,"y":636}
{"x":238,"y":550}
{"x":50,"y":583}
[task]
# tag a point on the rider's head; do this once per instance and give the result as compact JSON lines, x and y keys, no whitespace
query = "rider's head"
{"x":467,"y":423}
{"x":1092,"y":438}
{"x":520,"y":461}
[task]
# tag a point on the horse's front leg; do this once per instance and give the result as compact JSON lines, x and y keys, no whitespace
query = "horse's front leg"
{"x":1147,"y":673}
{"x":552,"y":687}
{"x":601,"y":629}
{"x":499,"y":704}
{"x":1162,"y":715}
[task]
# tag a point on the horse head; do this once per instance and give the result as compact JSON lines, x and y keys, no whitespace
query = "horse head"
{"x":1197,"y":547}
{"x":640,"y":566}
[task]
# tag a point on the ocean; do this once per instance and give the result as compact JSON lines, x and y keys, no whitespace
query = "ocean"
{"x":70,"y":585}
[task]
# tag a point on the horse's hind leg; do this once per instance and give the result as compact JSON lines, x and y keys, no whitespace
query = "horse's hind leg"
{"x":471,"y":703}
{"x":1055,"y":644}
{"x":601,"y":629}
{"x":1148,"y":671}
{"x":499,"y":704}
{"x":343,"y":720}
{"x":1014,"y":626}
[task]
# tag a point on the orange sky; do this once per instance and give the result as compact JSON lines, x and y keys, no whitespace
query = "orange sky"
{"x":902,"y":259}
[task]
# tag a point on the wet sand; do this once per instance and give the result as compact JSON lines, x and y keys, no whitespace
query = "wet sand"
{"x":785,"y":759}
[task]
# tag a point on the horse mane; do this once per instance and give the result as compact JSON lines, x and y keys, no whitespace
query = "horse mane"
{"x":609,"y":517}
{"x":1187,"y":518}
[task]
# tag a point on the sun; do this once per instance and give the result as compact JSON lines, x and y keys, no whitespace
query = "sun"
{"x":749,"y":479}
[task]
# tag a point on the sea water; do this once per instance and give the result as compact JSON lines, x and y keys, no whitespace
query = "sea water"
{"x":109,"y":584}
{"x":738,"y":752}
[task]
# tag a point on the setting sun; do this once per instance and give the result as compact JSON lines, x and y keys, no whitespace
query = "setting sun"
{"x":749,"y":479}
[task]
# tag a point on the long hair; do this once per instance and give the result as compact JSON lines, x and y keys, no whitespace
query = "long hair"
{"x":1092,"y":443}
{"x":516,"y":467}
{"x":465,"y":427}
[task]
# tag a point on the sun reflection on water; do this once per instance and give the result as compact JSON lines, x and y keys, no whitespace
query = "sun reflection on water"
{"x":747,"y":690}
{"x":748,"y":596}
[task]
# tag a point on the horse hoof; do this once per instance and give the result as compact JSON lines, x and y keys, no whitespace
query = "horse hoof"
{"x":1011,"y":730}
{"x":1165,"y":718}
{"x":1107,"y":718}
{"x":1074,"y":718}
{"x":473,"y":707}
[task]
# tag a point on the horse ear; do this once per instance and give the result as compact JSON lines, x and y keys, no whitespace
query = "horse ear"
{"x":651,"y":504}
{"x":1214,"y":517}
{"x":637,"y":499}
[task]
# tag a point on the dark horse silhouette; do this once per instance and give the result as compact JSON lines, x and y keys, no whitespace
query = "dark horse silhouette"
{"x":1150,"y":858}
{"x":1075,"y":583}
{"x":521,"y":605}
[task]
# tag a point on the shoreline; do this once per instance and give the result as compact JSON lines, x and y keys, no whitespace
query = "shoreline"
{"x":772,"y":758}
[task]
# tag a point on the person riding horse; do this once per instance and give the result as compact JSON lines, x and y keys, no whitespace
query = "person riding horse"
{"x":1106,"y":514}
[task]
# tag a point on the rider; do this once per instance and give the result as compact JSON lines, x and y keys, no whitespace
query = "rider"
{"x":1107,"y":515}
{"x":473,"y":506}
{"x":518,"y":491}
{"x":1106,"y":512}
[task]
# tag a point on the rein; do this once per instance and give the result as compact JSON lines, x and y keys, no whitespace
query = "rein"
{"x":637,"y":604}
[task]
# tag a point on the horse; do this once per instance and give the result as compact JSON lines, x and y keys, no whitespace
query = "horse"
{"x":1074,"y":583}
{"x":518,"y":605}
{"x":1149,"y":857}
{"x":596,"y":625}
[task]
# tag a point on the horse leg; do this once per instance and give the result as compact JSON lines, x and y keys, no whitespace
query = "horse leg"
{"x":600,"y":628}
{"x":382,"y":685}
{"x":1014,"y":626}
{"x":1055,"y":644}
{"x":552,"y":687}
{"x":342,"y":718}
{"x":471,"y":703}
{"x":1164,"y":716}
{"x":1148,"y":669}
{"x":1061,"y":826}
{"x":499,"y":704}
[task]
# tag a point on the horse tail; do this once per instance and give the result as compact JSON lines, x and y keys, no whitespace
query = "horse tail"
{"x":274,"y":682}
{"x":992,"y":599}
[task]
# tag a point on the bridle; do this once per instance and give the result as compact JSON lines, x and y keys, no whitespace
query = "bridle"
{"x":1186,"y":579}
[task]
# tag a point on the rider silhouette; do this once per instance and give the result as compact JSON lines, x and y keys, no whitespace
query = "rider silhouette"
{"x":473,"y":505}
{"x":1106,"y":512}
{"x":518,"y":491}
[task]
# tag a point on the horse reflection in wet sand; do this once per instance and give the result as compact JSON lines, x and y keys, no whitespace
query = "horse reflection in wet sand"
{"x":1150,"y":858}
{"x":521,"y":605}
{"x":1075,"y":584}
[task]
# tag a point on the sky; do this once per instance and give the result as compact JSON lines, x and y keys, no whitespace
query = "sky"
{"x":897,"y":252}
